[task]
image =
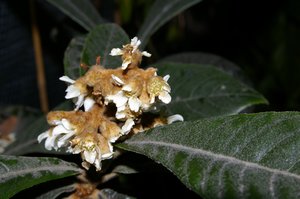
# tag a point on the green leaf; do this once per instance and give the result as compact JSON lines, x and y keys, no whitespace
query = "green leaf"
{"x":200,"y":91}
{"x":100,"y":41}
{"x":72,"y":58}
{"x":56,"y":192}
{"x":207,"y":59}
{"x":82,"y":12}
{"x":240,"y":156}
{"x":159,"y":14}
{"x":19,"y":173}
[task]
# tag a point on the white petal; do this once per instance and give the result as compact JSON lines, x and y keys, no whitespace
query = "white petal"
{"x":135,"y":42}
{"x":127,"y":126}
{"x":119,"y":99}
{"x":134,"y":104}
{"x":152,"y":99}
{"x":174,"y":118}
{"x":114,"y":139}
{"x":165,"y":97}
{"x":107,"y":156}
{"x":167,"y":88}
{"x":58,"y":130}
{"x":88,"y":103}
{"x":166,"y":78}
{"x":98,"y":164}
{"x":66,"y":124}
{"x":90,"y":156}
{"x":43,"y":136}
{"x":50,"y":143}
{"x":72,"y":91}
{"x":120,"y":115}
{"x":79,"y":102}
{"x":117,"y":80}
{"x":116,"y":52}
{"x":125,"y":64}
{"x":67,"y":79}
{"x":146,"y":54}
{"x":127,"y":88}
{"x":64,"y":140}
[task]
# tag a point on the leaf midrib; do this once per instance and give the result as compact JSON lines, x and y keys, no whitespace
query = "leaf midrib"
{"x":202,"y":152}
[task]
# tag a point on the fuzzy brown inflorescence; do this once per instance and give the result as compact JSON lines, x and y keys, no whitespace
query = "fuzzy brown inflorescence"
{"x":116,"y":103}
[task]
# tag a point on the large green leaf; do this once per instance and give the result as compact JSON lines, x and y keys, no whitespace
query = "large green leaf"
{"x":100,"y":41}
{"x":204,"y":91}
{"x":240,"y":156}
{"x":207,"y":59}
{"x":83,"y":12}
{"x":161,"y":12}
{"x":72,"y":57}
{"x":19,"y":173}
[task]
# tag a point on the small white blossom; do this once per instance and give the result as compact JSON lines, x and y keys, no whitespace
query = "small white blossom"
{"x":160,"y":88}
{"x":164,"y":95}
{"x":135,"y":43}
{"x":73,"y":92}
{"x":126,"y":128}
{"x":88,"y":103}
{"x":174,"y":118}
{"x":133,"y":46}
{"x":91,"y":153}
{"x":58,"y":136}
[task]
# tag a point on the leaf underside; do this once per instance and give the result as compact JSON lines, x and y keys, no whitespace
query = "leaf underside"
{"x":200,"y":91}
{"x":240,"y":156}
{"x":19,"y":173}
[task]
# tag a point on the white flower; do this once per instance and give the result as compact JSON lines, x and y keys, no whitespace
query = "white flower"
{"x":164,"y":95}
{"x":134,"y":102}
{"x":126,"y":128}
{"x":160,"y":88}
{"x":73,"y":92}
{"x":174,"y":118}
{"x":129,"y":49}
{"x":91,"y":152}
{"x":58,"y":136}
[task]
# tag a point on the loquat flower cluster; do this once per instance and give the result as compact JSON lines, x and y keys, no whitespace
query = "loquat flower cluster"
{"x":109,"y":104}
